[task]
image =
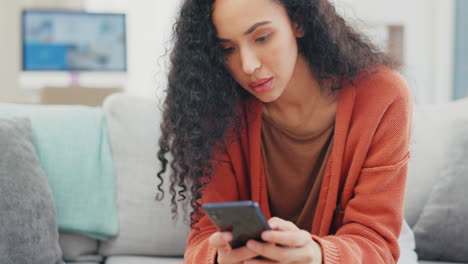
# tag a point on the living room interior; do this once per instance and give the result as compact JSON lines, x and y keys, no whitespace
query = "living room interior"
{"x":422,"y":34}
{"x":121,"y":92}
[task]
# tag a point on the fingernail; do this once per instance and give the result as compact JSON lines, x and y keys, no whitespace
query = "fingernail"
{"x":226,"y":236}
{"x":266,"y":235}
{"x":251,"y":244}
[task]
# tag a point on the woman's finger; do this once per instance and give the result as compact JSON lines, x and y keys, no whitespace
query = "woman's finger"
{"x":292,"y":239}
{"x":220,"y":240}
{"x":272,"y":252}
{"x":279,"y":224}
{"x":238,"y":255}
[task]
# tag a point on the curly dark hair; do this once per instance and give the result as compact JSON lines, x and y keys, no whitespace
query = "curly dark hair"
{"x":202,"y":96}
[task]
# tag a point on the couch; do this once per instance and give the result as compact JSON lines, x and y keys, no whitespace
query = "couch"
{"x":148,"y":235}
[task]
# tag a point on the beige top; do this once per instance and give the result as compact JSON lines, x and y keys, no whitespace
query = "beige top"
{"x":294,"y":167}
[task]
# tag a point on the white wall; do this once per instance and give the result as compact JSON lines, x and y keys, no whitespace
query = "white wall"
{"x":149,"y":27}
{"x":429,"y":40}
{"x":8,"y":61}
{"x":10,"y":44}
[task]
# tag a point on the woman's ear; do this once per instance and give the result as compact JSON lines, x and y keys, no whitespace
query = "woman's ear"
{"x":298,"y":30}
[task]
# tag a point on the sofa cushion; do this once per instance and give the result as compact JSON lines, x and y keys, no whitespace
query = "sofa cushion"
{"x":442,"y":229}
{"x":432,"y":126}
{"x":407,"y":246}
{"x":73,"y":147}
{"x":76,"y":248}
{"x":142,"y":260}
{"x":146,"y":225}
{"x":84,"y":262}
{"x":440,"y":262}
{"x":28,"y":226}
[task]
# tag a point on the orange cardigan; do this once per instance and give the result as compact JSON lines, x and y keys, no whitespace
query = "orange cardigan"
{"x":368,"y":163}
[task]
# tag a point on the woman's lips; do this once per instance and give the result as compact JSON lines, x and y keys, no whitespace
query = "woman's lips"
{"x":262,"y":85}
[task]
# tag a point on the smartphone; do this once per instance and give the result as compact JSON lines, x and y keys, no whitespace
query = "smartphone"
{"x":244,"y":219}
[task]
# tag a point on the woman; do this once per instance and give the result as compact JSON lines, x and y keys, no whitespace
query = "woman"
{"x":282,"y":103}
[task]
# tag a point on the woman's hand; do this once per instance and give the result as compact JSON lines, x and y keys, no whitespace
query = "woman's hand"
{"x":227,"y":255}
{"x":300,"y":247}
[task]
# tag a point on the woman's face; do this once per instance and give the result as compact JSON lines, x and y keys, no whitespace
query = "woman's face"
{"x":259,"y":42}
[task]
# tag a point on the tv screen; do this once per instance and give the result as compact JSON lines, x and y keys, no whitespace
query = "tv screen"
{"x":73,"y":41}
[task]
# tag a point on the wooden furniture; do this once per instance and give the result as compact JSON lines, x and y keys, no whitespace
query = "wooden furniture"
{"x":75,"y":95}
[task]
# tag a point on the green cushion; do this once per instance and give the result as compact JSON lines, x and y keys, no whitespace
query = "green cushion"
{"x":73,"y":147}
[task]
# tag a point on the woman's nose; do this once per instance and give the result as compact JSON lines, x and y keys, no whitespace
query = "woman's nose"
{"x":250,"y":61}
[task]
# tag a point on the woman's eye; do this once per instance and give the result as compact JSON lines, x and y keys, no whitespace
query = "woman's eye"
{"x":263,"y":38}
{"x":228,"y":50}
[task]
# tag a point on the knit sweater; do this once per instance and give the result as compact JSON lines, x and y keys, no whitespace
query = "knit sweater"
{"x":360,"y":209}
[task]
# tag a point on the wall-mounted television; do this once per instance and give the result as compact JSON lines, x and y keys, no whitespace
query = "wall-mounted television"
{"x":73,"y":41}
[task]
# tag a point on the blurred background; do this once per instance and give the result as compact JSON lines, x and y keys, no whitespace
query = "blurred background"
{"x":121,"y":45}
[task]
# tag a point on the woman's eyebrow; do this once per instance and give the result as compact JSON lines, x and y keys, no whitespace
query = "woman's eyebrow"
{"x":255,"y":26}
{"x":250,"y":30}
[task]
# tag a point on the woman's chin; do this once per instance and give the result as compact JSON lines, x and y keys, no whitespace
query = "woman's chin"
{"x":267,"y":97}
{"x":264,"y":99}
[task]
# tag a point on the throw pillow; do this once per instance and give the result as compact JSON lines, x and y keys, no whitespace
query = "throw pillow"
{"x":432,"y":132}
{"x":441,"y":231}
{"x":146,"y":226}
{"x":73,"y":147}
{"x":28,"y":225}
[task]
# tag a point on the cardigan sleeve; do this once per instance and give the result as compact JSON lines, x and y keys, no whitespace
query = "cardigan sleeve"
{"x":222,"y":187}
{"x":372,"y":218}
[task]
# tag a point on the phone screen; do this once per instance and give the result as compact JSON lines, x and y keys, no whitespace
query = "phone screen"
{"x":244,"y":219}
